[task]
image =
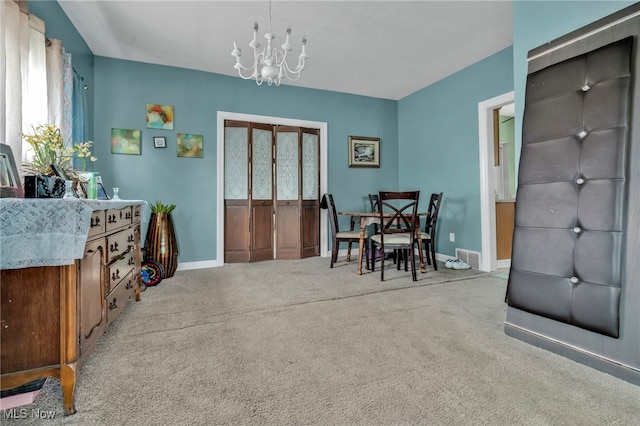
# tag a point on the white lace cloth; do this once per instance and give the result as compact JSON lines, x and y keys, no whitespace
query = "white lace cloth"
{"x":47,"y":232}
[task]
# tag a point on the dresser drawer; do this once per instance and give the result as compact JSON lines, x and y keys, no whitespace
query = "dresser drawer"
{"x":119,"y":243}
{"x":119,"y":269}
{"x":117,"y":299}
{"x":117,"y":218}
{"x":98,"y":223}
{"x":137,"y":213}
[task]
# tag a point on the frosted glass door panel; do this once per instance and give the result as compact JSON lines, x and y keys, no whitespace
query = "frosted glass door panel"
{"x":287,"y":165}
{"x":236,"y":163}
{"x":309,"y":166}
{"x":262,"y":176}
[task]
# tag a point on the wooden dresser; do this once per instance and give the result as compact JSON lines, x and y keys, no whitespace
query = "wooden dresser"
{"x":52,"y":316}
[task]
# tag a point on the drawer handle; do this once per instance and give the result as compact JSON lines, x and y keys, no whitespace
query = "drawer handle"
{"x":112,"y":218}
{"x":129,"y":285}
{"x":115,"y":275}
{"x":127,"y":215}
{"x":131,"y":261}
{"x":113,"y":247}
{"x":130,"y":239}
{"x":112,"y":304}
{"x":95,"y":222}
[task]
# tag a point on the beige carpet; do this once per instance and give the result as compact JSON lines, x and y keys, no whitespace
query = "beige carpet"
{"x":298,"y":343}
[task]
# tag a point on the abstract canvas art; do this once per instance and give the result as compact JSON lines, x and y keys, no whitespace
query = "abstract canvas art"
{"x":125,"y":141}
{"x":189,"y":145}
{"x":159,"y":117}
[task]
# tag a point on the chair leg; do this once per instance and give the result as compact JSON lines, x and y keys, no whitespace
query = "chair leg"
{"x":414,"y":274}
{"x":433,"y":255}
{"x":426,"y":250}
{"x":349,"y":252}
{"x":334,"y":253}
{"x":372,"y":249}
{"x":366,"y":253}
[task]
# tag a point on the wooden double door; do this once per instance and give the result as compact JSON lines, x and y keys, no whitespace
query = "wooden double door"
{"x":271,"y":192}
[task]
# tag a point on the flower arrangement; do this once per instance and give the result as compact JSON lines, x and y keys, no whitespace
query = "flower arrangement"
{"x":48,"y":148}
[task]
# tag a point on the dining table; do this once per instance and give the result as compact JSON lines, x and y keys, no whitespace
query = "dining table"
{"x":369,"y":218}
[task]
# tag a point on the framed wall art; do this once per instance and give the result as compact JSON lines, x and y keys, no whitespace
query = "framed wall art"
{"x":10,"y":185}
{"x":159,"y":142}
{"x":190,"y":145}
{"x":125,"y":141}
{"x":364,"y":151}
{"x":159,"y":117}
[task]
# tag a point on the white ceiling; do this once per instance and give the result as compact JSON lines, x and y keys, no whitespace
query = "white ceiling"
{"x":384,"y":49}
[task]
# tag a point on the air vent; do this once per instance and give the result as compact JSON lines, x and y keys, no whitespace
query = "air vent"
{"x":471,"y":257}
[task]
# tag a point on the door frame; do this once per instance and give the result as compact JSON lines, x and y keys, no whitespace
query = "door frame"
{"x":489,"y":256}
{"x":280,"y":121}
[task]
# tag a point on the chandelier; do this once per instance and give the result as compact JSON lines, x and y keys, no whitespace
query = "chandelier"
{"x":270,"y":64}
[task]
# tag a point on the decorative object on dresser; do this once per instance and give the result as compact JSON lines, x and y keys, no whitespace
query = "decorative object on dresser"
{"x":43,"y":186}
{"x":55,"y":306}
{"x":50,"y":162}
{"x":9,"y":177}
{"x":48,"y":148}
{"x":161,"y":244}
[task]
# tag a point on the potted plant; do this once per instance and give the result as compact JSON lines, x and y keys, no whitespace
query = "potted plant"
{"x":49,"y":152}
{"x":161,"y":244}
{"x":48,"y":147}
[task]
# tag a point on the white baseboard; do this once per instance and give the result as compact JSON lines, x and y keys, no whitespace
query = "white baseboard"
{"x":506,"y":263}
{"x":185,"y":266}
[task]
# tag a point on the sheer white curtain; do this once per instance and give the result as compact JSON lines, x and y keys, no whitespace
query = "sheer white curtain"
{"x":31,"y":77}
{"x":55,"y":82}
{"x":15,"y":36}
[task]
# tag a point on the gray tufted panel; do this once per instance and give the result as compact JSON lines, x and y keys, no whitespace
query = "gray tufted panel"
{"x":570,"y":207}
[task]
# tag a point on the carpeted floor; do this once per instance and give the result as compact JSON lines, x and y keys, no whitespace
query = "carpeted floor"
{"x":297,"y":343}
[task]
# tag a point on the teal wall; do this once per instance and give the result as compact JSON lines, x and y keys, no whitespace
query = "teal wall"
{"x":123,"y":88}
{"x":438,"y":145}
{"x":536,"y":22}
{"x":429,"y":137}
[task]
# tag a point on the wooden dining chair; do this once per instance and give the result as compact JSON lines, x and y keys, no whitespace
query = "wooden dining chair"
{"x":374,"y":201}
{"x":350,"y":237}
{"x":398,"y":219}
{"x":428,"y":235}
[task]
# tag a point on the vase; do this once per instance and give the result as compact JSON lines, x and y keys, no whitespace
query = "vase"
{"x":161,"y":244}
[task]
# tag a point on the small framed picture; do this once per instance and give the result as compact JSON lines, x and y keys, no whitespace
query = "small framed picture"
{"x":364,"y":152}
{"x":159,"y":141}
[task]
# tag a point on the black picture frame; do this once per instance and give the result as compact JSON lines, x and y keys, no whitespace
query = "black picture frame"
{"x":159,"y":142}
{"x":10,"y":185}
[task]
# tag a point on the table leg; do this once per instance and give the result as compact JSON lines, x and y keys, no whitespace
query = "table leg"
{"x":423,"y":266}
{"x":361,"y":246}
